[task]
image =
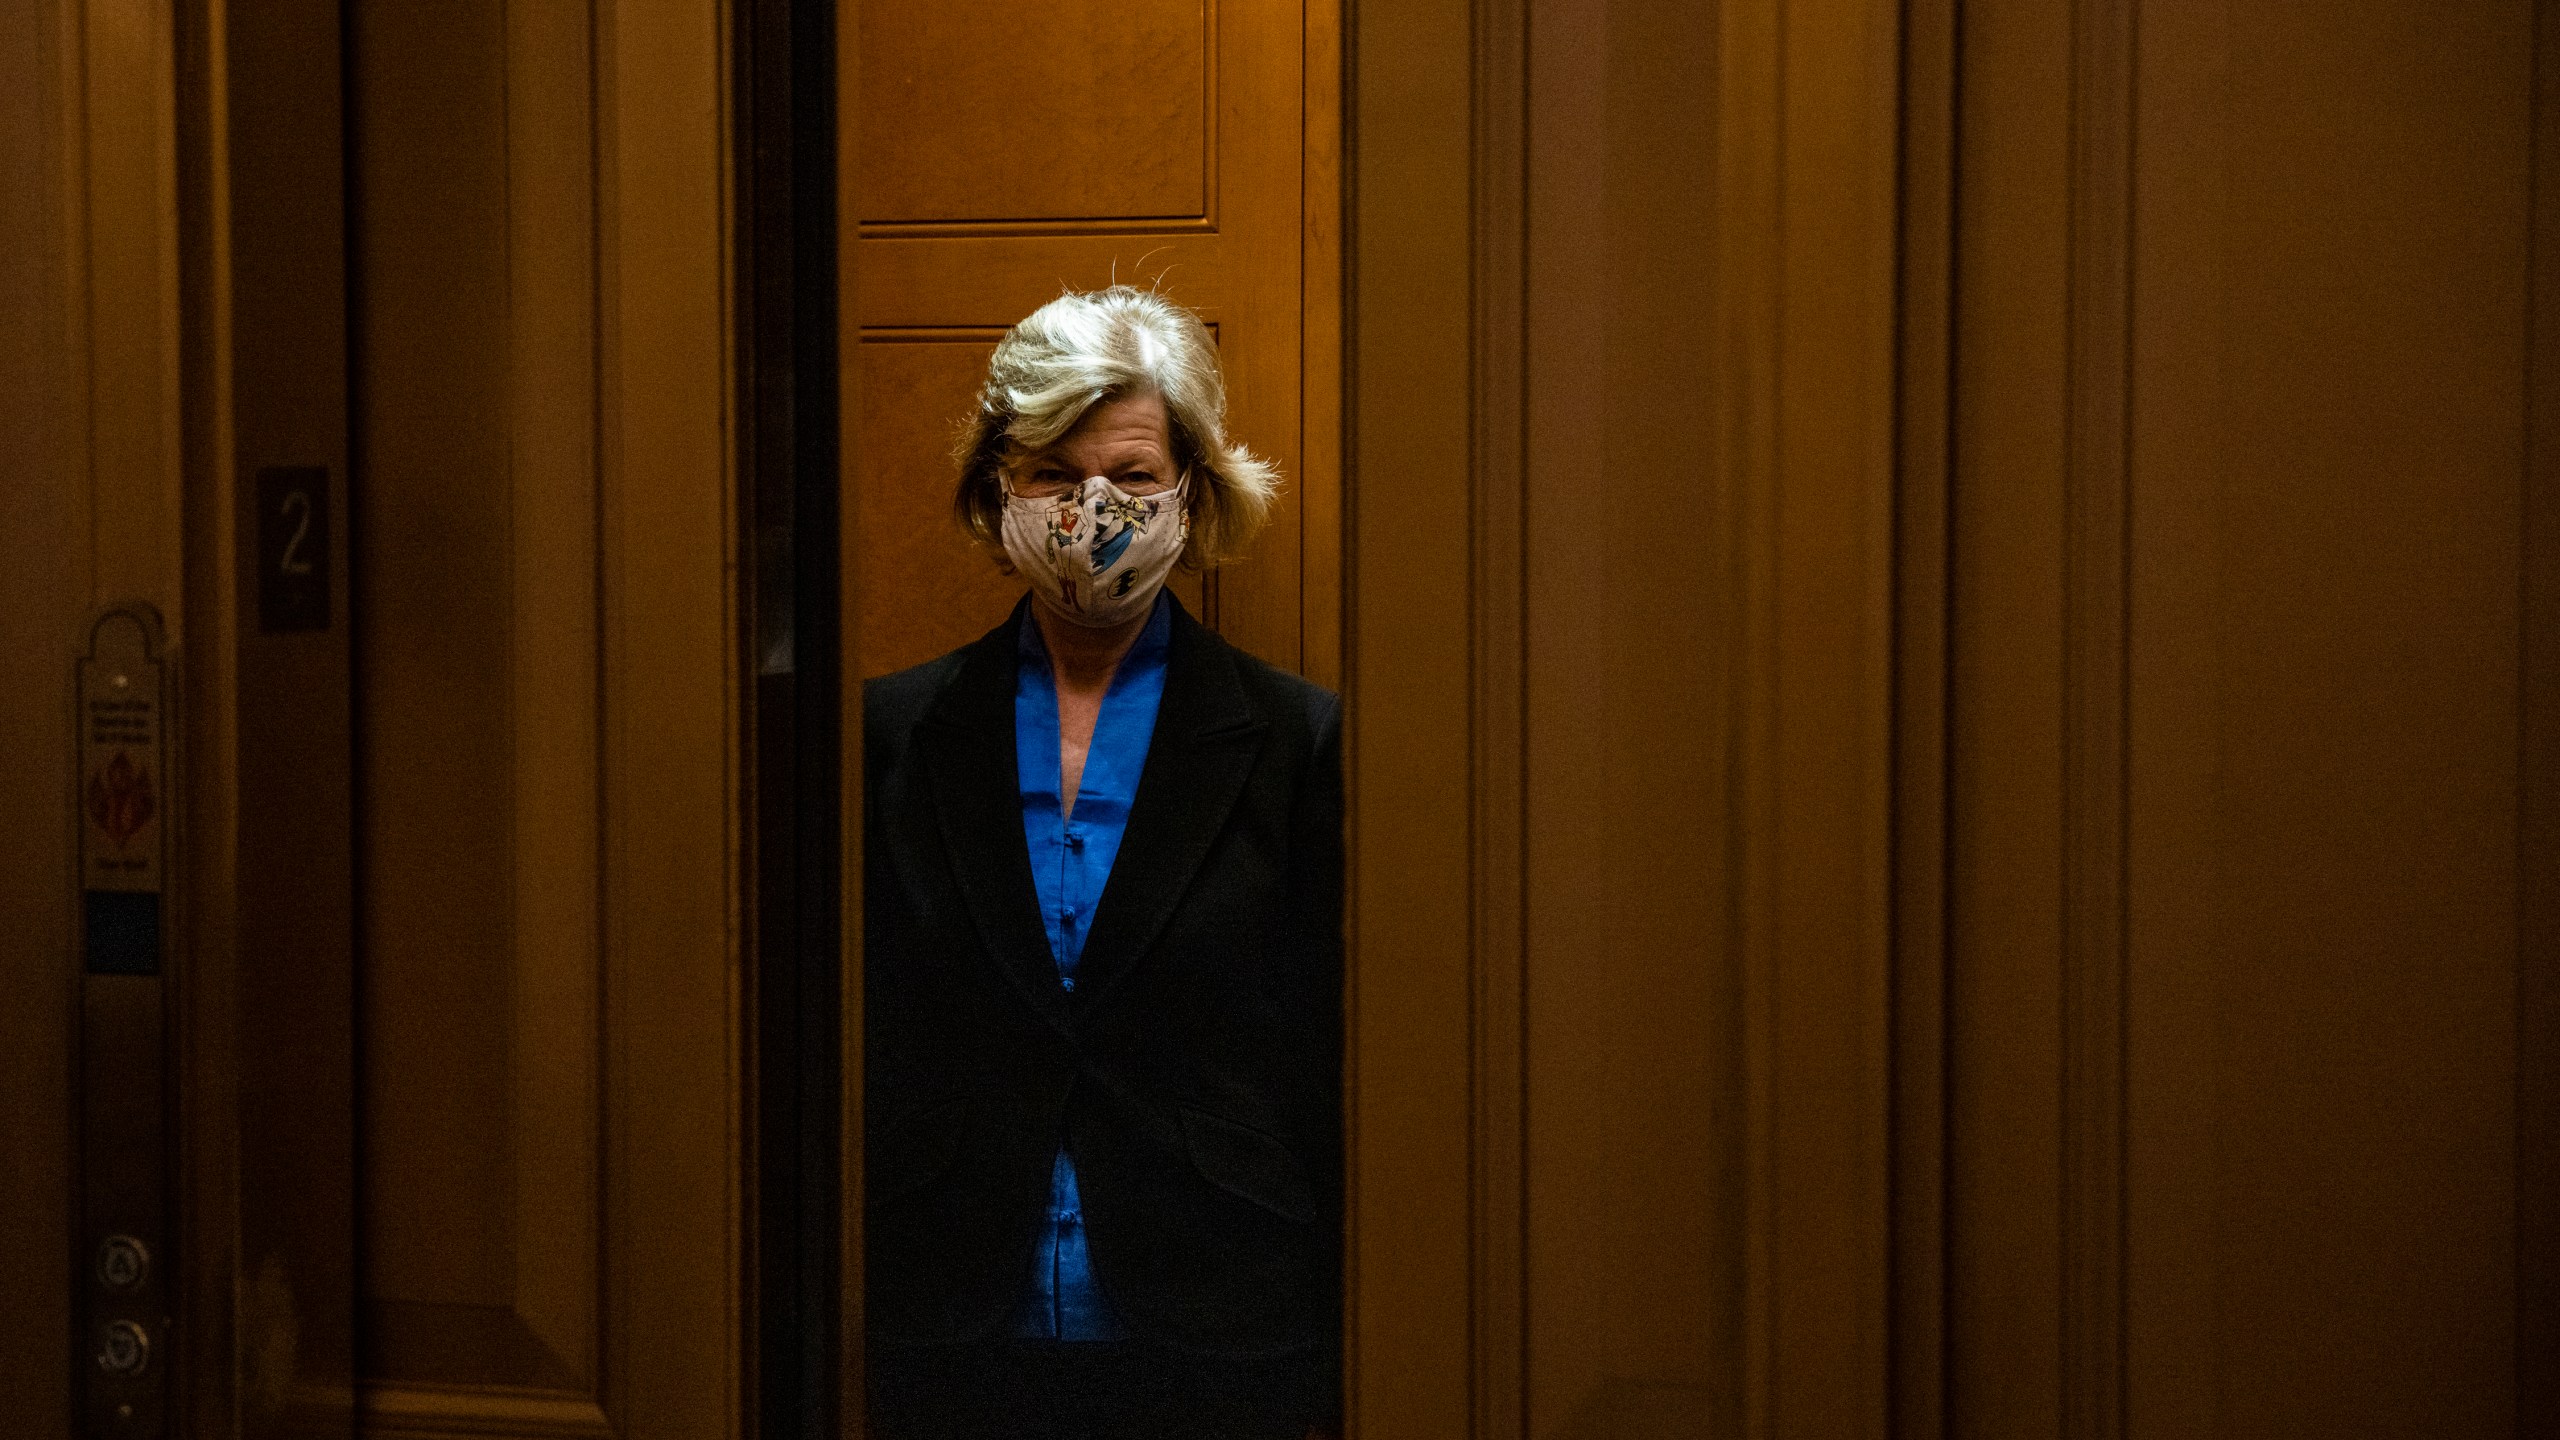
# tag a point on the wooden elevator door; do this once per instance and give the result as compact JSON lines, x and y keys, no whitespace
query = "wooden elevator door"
{"x":549,"y":1027}
{"x":1004,"y":152}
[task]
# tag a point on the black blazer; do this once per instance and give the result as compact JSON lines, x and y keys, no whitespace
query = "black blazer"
{"x":1195,"y":1071}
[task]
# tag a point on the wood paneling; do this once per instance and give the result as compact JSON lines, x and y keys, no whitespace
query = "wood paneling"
{"x":554,"y":1085}
{"x":436,"y":622}
{"x":45,"y":565}
{"x":285,"y":929}
{"x":1619,"y":525}
{"x":2237,"y":678}
{"x":1629,"y":997}
{"x":674,"y":1073}
{"x":479,"y":626}
{"x":2538,"y":791}
{"x":1077,"y":112}
{"x":1409,"y":618}
{"x":1000,"y":156}
{"x":921,"y":586}
{"x":559,"y":1075}
{"x":1916,"y":1368}
{"x":2219,"y":868}
{"x":2365,"y":498}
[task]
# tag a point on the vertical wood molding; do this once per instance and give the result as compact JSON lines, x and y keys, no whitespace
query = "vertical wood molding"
{"x":1744,"y":361}
{"x":2538,"y":764}
{"x":673,"y":1001}
{"x":2180,"y":429}
{"x":1809,"y":245}
{"x":1320,"y":348}
{"x":2096,"y":562}
{"x":1409,"y":619}
{"x":557,"y":1047}
{"x":1923,"y":554}
{"x":204,"y":1056}
{"x":1498,"y":524}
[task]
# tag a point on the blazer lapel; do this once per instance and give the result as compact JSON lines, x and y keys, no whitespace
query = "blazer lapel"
{"x":970,"y":758}
{"x":1206,"y":738}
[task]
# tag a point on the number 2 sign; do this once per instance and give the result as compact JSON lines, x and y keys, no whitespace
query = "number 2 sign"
{"x":293,"y":548}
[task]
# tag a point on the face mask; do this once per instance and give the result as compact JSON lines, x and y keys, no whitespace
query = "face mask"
{"x":1098,"y":555}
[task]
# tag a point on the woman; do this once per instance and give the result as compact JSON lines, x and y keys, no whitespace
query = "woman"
{"x":1103,"y":955}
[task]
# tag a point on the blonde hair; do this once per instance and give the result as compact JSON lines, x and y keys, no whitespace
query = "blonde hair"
{"x":1083,"y":349}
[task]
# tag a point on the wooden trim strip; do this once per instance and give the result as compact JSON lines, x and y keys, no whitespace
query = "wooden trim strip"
{"x":1498,"y":820}
{"x":2097,"y":565}
{"x":1409,"y":617}
{"x":674,"y":865}
{"x":2538,"y":775}
{"x":1814,"y":108}
{"x":1924,"y":400}
{"x":1006,"y":229}
{"x":431,"y":1411}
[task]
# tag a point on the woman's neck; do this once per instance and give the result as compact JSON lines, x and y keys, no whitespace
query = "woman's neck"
{"x":1083,"y":657}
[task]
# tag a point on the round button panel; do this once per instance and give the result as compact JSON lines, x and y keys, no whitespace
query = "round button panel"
{"x":124,"y":1348}
{"x":123,"y":1262}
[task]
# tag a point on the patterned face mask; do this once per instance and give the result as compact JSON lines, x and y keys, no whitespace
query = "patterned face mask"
{"x":1099,"y":554}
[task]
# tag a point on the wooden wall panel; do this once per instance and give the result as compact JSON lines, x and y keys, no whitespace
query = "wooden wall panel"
{"x":971,"y":117}
{"x":2237,"y":678}
{"x":171,"y":319}
{"x":287,"y":921}
{"x":554,"y":1084}
{"x":1632,"y":1288}
{"x":125,"y":401}
{"x":433,"y":606}
{"x":1618,"y":702}
{"x":674,"y":1075}
{"x":555,"y":1024}
{"x":2006,"y":725}
{"x":2538,"y":751}
{"x":2374,"y":289}
{"x":1416,"y":1364}
{"x":2246,"y":811}
{"x":479,"y":627}
{"x":920,"y":586}
{"x":45,"y":586}
{"x":1916,"y":1369}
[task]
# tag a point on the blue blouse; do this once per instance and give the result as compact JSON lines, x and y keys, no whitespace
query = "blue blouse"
{"x":1071,"y":859}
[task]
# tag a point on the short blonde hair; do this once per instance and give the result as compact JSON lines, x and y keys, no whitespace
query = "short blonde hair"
{"x":1084,"y":349}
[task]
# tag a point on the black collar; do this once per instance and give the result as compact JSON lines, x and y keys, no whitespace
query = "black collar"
{"x":1206,"y":738}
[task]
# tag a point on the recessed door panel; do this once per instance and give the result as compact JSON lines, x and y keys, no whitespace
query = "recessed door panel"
{"x":479,"y":624}
{"x":988,"y":110}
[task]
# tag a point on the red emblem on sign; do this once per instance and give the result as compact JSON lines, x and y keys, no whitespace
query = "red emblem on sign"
{"x":120,"y":799}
